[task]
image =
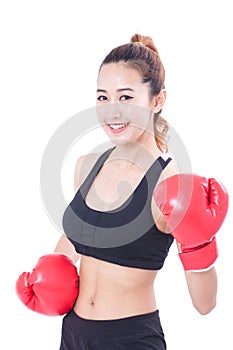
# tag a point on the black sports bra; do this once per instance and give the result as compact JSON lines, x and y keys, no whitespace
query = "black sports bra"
{"x":126,"y":235}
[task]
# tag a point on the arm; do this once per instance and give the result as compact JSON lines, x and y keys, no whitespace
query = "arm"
{"x":202,"y":288}
{"x":194,"y":217}
{"x":64,"y":246}
{"x":53,"y":272}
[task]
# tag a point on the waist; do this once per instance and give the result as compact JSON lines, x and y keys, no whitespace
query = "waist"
{"x":105,"y":305}
{"x":108,"y":290}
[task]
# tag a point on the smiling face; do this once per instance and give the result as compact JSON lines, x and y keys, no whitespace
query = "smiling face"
{"x":124,"y":105}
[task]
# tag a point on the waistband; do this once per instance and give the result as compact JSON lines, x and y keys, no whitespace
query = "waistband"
{"x":113,"y":328}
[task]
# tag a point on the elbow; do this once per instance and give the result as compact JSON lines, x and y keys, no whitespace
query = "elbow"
{"x":205,"y":308}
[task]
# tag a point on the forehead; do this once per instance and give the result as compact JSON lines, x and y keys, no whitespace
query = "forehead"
{"x":118,"y":74}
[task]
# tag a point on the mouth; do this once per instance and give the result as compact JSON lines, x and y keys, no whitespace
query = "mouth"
{"x":117,"y":128}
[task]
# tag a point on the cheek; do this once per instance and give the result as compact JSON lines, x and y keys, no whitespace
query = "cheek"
{"x":101,"y":112}
{"x":139,"y":116}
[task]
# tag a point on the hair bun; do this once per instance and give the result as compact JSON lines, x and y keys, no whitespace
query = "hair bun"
{"x":144,"y":41}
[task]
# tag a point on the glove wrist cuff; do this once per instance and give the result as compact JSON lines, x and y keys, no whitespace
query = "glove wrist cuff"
{"x":201,"y":258}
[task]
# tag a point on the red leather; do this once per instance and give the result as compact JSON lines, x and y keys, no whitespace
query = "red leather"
{"x":52,"y":286}
{"x":194,"y":208}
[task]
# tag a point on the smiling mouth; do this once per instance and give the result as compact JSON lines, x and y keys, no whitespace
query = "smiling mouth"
{"x":117,"y":127}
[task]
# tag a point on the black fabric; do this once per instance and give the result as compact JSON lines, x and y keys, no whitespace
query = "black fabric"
{"x":140,"y":332}
{"x":145,"y":246}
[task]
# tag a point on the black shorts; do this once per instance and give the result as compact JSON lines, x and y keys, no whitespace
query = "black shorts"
{"x":140,"y":332}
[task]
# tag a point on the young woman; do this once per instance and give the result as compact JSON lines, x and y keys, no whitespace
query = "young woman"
{"x":118,"y":192}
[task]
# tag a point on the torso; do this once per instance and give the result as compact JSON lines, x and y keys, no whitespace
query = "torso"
{"x":107,"y":290}
{"x":110,"y":291}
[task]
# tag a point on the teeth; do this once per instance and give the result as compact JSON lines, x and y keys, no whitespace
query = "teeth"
{"x":117,"y":126}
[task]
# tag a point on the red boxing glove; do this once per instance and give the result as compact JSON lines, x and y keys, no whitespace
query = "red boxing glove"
{"x":194,"y":209}
{"x":52,"y":287}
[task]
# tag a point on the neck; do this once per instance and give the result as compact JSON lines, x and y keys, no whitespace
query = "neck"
{"x":142,"y":153}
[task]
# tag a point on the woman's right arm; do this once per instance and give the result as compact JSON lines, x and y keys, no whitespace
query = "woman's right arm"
{"x":53,"y":272}
{"x":64,"y":246}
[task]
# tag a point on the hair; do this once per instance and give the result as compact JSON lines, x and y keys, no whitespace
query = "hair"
{"x":142,"y":55}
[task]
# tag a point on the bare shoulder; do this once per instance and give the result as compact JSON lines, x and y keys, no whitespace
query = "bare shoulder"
{"x":83,"y":166}
{"x":170,"y":170}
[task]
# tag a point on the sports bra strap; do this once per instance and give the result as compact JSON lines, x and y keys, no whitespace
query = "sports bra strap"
{"x":152,"y":174}
{"x":94,"y":171}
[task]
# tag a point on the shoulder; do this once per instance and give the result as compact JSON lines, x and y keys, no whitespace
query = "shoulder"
{"x":170,"y":170}
{"x":83,"y":166}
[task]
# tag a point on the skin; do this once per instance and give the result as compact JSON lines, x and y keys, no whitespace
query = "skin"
{"x":111,"y":291}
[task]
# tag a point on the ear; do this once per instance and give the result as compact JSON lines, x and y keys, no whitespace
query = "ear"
{"x":159,"y":101}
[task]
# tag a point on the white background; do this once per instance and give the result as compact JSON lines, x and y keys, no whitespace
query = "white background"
{"x":50,"y":54}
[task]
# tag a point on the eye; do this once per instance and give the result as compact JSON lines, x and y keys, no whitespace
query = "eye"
{"x":125,"y":97}
{"x":101,"y":98}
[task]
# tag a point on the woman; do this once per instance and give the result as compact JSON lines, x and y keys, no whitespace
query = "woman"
{"x":116,"y":307}
{"x":130,"y":205}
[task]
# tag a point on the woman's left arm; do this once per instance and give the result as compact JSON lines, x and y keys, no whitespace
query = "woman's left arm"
{"x":202,"y":286}
{"x":194,"y":209}
{"x":202,"y":289}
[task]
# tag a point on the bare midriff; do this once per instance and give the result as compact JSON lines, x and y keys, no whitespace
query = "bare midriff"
{"x":111,"y":291}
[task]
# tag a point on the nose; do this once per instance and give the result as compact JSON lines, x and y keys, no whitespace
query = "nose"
{"x":113,"y":112}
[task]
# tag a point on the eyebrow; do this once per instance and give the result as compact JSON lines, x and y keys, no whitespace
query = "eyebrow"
{"x":118,"y":90}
